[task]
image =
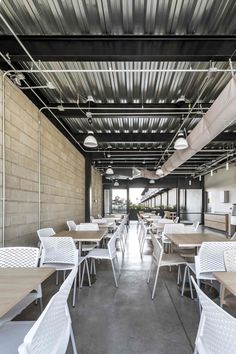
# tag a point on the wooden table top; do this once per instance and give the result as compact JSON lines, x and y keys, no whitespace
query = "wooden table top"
{"x":83,"y":236}
{"x":110,"y":224}
{"x":228,"y":279}
{"x":16,"y":283}
{"x":194,"y":239}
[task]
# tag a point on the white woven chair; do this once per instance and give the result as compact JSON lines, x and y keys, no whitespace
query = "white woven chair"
{"x":14,"y":257}
{"x":171,"y":229}
{"x":162,"y":260}
{"x":230,"y":260}
{"x":217,"y":329}
{"x":176,"y":220}
{"x":90,"y":226}
{"x":46,"y":232}
{"x":209,"y":259}
{"x":71,"y":225}
{"x":103,"y":253}
{"x":49,"y":334}
{"x":61,"y":254}
{"x":120,"y":236}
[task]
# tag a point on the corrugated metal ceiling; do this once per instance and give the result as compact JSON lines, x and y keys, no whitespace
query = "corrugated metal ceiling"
{"x":132,"y":87}
{"x":74,"y":17}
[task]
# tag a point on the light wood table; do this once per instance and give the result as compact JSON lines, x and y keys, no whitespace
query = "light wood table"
{"x":227,"y":281}
{"x":83,"y":236}
{"x":16,"y":283}
{"x":108,"y":225}
{"x":192,"y":240}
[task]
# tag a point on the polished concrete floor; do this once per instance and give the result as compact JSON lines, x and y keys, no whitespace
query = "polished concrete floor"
{"x":107,"y":320}
{"x":125,"y":320}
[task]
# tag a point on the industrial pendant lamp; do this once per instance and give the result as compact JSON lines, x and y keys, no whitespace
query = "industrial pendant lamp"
{"x":109,"y":170}
{"x":151,"y":181}
{"x":159,"y":171}
{"x":180,"y":143}
{"x":116,"y":184}
{"x":90,"y":141}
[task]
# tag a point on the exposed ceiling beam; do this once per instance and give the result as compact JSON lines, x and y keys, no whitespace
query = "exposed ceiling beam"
{"x":120,"y":48}
{"x":147,"y":137}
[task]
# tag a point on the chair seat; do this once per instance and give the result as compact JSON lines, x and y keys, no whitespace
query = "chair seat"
{"x":18,"y":308}
{"x":18,"y":330}
{"x":203,"y":276}
{"x":87,"y":248}
{"x":171,"y":259}
{"x":59,"y":266}
{"x":99,"y":253}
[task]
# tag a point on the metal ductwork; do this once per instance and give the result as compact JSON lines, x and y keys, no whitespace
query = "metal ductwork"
{"x":220,"y":115}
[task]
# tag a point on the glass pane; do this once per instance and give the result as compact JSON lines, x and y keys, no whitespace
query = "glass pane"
{"x":119,"y":201}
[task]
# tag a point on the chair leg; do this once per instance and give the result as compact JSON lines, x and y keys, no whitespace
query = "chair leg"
{"x":190,"y":284}
{"x":155,"y":284}
{"x":82,"y":278}
{"x":74,"y":291}
{"x":87,"y":267}
{"x":91,"y":265}
{"x":72,"y":338}
{"x":118,"y":264}
{"x":57,"y":280}
{"x":184,"y":280}
{"x":64,"y":275}
{"x":114,"y":273}
{"x":178,"y":276}
{"x":94,"y":266}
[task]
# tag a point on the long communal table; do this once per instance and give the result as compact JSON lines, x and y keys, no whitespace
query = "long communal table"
{"x":16,"y":283}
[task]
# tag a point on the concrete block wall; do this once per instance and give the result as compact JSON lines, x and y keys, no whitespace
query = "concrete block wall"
{"x":97,"y":198}
{"x":61,"y":171}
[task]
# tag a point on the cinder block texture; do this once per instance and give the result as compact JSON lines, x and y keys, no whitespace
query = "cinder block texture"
{"x":42,"y":169}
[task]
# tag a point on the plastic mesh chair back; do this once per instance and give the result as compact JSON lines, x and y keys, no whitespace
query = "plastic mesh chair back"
{"x":217,"y":329}
{"x":230,"y":260}
{"x":176,"y":220}
{"x":71,"y":225}
{"x":165,"y":221}
{"x":87,"y":227}
{"x":143,"y":231}
{"x":157,"y":251}
{"x":92,"y":218}
{"x":50,"y":333}
{"x":59,"y":250}
{"x":47,"y":232}
{"x":196,"y":226}
{"x":112,"y":245}
{"x":100,"y":221}
{"x":12,"y":257}
{"x":211,"y":256}
{"x":174,"y":228}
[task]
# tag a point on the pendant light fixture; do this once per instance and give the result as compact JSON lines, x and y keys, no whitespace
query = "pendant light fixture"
{"x":116,"y":184}
{"x":159,"y":171}
{"x":181,"y":142}
{"x":151,"y":181}
{"x":90,"y":141}
{"x":109,"y":170}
